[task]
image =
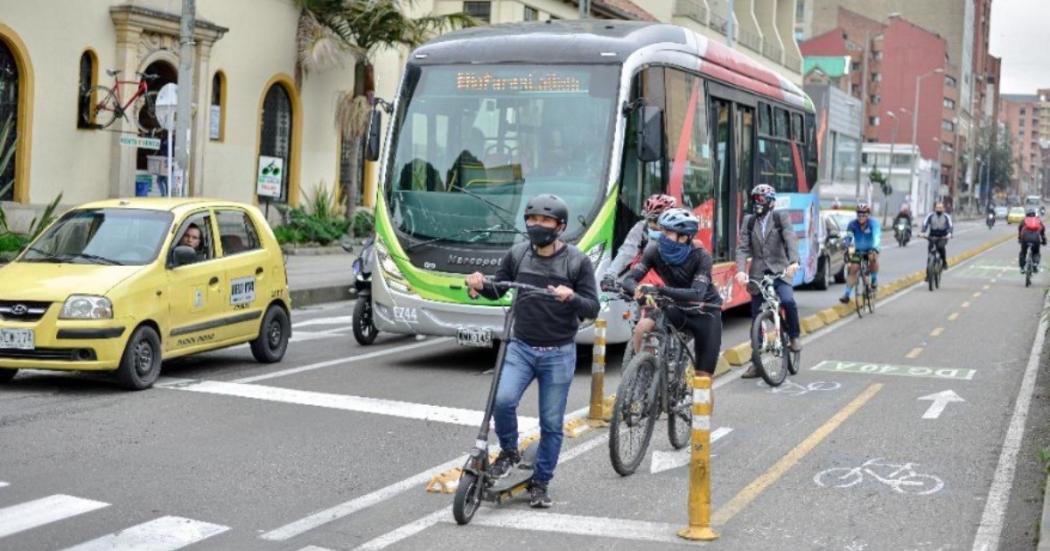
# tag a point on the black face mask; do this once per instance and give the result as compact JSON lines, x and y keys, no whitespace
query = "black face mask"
{"x":541,"y":236}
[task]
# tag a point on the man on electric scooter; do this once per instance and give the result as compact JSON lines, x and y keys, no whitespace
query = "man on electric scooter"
{"x":543,"y":344}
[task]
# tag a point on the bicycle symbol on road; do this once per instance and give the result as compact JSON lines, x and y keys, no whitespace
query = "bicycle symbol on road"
{"x":902,"y":477}
{"x":794,"y":389}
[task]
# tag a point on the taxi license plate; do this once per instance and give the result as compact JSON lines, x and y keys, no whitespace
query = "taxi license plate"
{"x":19,"y":339}
{"x":473,"y":336}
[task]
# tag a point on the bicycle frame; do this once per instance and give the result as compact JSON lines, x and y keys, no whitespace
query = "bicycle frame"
{"x":770,"y":302}
{"x":659,"y":342}
{"x":141,"y":88}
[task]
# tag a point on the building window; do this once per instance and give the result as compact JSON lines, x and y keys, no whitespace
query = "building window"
{"x":86,"y":95}
{"x":877,"y":55}
{"x":949,"y":103}
{"x":481,"y":11}
{"x":873,"y":121}
{"x":276,"y":134}
{"x":217,"y":114}
{"x":875,"y":99}
{"x":1021,"y":123}
{"x":1023,"y":111}
{"x":876,"y":77}
{"x":950,"y":82}
{"x":8,"y":118}
{"x":800,"y":10}
{"x":948,"y":126}
{"x":532,"y":14}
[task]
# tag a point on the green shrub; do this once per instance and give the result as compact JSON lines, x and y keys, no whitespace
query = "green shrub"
{"x":12,"y":242}
{"x":364,"y":222}
{"x":319,"y":225}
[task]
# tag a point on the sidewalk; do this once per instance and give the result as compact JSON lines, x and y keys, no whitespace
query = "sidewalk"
{"x":313,"y":279}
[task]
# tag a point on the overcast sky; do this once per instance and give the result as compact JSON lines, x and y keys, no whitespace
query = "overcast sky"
{"x":1021,"y":37}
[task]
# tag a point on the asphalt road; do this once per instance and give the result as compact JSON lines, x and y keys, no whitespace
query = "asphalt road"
{"x":332,"y":448}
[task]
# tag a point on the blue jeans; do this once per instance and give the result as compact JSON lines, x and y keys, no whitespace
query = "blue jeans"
{"x":554,"y":368}
{"x":787,"y":300}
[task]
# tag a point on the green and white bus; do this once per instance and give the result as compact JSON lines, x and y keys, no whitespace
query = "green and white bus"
{"x":600,"y":113}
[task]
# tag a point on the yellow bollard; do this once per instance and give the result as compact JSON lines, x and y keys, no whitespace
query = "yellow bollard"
{"x":596,"y":415}
{"x":700,"y":466}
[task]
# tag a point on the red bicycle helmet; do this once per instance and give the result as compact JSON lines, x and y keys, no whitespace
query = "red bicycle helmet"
{"x":658,"y":203}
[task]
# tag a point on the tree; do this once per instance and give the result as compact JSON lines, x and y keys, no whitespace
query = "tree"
{"x":333,"y":30}
{"x":879,"y":179}
{"x":997,"y":152}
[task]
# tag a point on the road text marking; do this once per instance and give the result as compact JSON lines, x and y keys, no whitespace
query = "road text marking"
{"x":901,"y":370}
{"x":748,"y":494}
{"x":940,"y":401}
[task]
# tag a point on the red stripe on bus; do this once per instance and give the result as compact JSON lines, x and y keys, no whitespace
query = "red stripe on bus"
{"x":800,"y":172}
{"x":674,"y":187}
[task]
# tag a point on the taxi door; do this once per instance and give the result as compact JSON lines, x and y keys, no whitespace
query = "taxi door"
{"x":197,"y":291}
{"x":245,"y":263}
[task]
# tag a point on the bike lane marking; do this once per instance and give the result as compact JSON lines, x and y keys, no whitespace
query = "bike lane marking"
{"x":864,"y":368}
{"x":914,"y":353}
{"x":937,"y":332}
{"x":741,"y":500}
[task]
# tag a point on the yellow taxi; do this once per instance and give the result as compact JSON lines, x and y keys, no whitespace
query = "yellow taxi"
{"x":122,"y":284}
{"x":1015,"y":216}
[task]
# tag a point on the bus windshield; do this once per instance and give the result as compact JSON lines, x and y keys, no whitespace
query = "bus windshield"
{"x":472,"y":143}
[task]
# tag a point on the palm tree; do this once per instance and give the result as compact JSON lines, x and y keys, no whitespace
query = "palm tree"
{"x":332,"y":30}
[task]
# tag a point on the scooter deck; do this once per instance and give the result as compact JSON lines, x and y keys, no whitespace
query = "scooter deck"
{"x":507,"y":488}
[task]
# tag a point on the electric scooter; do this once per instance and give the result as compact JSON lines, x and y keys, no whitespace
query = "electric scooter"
{"x":475,"y":484}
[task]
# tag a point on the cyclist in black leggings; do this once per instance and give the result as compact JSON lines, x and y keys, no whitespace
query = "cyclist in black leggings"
{"x":686,"y":273}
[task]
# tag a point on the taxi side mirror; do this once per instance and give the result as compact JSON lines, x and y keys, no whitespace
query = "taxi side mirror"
{"x":183,"y":255}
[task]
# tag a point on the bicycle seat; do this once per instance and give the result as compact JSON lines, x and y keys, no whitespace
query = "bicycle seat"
{"x":113,"y":72}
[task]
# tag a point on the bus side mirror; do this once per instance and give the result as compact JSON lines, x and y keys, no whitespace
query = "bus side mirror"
{"x":372,"y":145}
{"x":650,"y":133}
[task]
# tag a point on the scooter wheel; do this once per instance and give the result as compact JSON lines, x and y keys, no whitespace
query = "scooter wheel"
{"x":467,"y":499}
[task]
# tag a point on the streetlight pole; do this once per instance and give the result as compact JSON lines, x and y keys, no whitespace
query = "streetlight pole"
{"x":915,"y":120}
{"x":183,"y":112}
{"x":889,"y":169}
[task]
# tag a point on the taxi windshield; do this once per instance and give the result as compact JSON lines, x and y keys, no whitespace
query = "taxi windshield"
{"x":102,"y":236}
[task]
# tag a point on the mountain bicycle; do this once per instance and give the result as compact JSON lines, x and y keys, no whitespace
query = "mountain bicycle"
{"x":657,"y":379}
{"x":771,"y":354}
{"x":934,"y":262}
{"x":864,"y":295}
{"x":105,"y":105}
{"x":1029,"y":268}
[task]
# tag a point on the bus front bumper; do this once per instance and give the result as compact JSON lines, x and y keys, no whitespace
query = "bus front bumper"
{"x":396,"y":312}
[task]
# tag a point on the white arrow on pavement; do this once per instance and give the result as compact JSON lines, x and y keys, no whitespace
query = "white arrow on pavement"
{"x":940,"y":401}
{"x":665,"y":461}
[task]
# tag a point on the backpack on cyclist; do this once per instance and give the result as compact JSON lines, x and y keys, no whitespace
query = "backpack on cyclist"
{"x":1033,"y":224}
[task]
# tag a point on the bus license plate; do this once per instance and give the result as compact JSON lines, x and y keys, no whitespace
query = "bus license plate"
{"x":19,"y":339}
{"x":473,"y":336}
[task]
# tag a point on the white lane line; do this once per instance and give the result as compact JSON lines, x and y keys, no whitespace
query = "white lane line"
{"x":315,"y":548}
{"x":362,"y":404}
{"x":991,"y":526}
{"x":620,"y":528}
{"x":162,"y":534}
{"x":2,"y":484}
{"x":333,"y":320}
{"x":417,"y":526}
{"x":31,"y":514}
{"x":340,"y":361}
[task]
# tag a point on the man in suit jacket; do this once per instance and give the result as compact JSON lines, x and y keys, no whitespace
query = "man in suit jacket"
{"x":768,"y":237}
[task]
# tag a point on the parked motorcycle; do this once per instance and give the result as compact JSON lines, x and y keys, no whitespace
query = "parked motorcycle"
{"x":902,"y":231}
{"x":363,"y":323}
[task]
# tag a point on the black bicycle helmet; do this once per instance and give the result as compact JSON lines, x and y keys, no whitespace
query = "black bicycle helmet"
{"x":548,"y":205}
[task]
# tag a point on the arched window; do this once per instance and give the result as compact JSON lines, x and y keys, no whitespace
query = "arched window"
{"x":8,"y":121}
{"x":88,"y":78}
{"x":276,"y":133}
{"x":217,"y":114}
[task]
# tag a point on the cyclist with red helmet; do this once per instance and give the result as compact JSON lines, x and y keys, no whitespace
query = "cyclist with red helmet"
{"x":768,"y":237}
{"x":686,"y":272}
{"x":645,"y":231}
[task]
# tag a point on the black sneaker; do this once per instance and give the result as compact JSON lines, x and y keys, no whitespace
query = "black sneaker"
{"x":844,"y":299}
{"x":507,"y":460}
{"x":538,"y":496}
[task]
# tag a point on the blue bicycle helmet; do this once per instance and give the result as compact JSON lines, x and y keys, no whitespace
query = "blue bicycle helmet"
{"x":680,"y":221}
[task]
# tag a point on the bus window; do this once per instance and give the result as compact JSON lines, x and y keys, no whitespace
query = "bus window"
{"x":638,"y":180}
{"x":690,"y":177}
{"x":765,"y":119}
{"x":745,"y":151}
{"x":810,"y":151}
{"x":720,"y":112}
{"x":796,"y":128}
{"x":776,"y":165}
{"x":781,"y":123}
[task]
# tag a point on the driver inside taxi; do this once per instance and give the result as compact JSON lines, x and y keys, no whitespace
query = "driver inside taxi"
{"x":192,"y":238}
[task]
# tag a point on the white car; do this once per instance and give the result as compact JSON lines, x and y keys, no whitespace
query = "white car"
{"x":1001,"y":211}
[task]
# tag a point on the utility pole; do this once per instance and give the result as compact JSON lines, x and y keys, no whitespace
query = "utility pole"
{"x":184,"y":110}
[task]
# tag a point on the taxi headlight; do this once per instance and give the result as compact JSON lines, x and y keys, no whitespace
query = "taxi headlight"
{"x":87,"y":307}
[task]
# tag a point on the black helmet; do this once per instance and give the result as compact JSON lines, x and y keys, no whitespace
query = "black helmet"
{"x":548,"y":205}
{"x":1030,"y":211}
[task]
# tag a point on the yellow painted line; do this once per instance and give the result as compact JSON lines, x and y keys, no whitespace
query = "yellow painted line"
{"x":914,"y":353}
{"x":749,"y":493}
{"x":937,"y":332}
{"x":966,"y":304}
{"x":986,"y":287}
{"x":953,"y":316}
{"x":977,"y":294}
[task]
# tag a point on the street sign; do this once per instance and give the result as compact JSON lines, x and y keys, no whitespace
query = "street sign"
{"x":271,"y":176}
{"x":139,"y":142}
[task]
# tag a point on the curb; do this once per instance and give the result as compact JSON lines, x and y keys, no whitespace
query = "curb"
{"x":1044,"y":520}
{"x":319,"y":295}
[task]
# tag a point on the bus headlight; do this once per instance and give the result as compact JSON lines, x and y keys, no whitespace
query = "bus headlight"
{"x":394,"y":278}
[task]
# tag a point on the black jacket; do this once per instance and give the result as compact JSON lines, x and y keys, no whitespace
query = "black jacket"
{"x":688,"y":282}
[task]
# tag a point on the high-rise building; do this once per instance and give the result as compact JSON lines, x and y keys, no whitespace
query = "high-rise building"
{"x":1022,"y":114}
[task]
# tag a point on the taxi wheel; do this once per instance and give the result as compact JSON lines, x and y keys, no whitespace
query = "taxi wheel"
{"x":7,"y":374}
{"x":270,"y":345}
{"x":140,"y":366}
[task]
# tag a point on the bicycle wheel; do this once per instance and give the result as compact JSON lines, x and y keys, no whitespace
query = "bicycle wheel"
{"x":858,"y":295}
{"x":102,"y":105}
{"x":838,"y":477}
{"x":634,"y":413}
{"x":680,"y":402}
{"x":1028,"y":272}
{"x":794,"y":358}
{"x":770,"y":363}
{"x":931,"y":269}
{"x":937,"y":274}
{"x":869,"y":299}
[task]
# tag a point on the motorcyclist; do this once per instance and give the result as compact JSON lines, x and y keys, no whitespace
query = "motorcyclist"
{"x":647,"y":230}
{"x":903,"y":216}
{"x":1031,"y":233}
{"x":542,"y":346}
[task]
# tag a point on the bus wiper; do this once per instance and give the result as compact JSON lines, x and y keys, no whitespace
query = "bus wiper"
{"x":479,"y":231}
{"x":494,"y":208}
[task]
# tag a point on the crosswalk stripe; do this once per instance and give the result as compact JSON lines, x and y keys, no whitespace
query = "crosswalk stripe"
{"x":2,"y":484}
{"x":29,"y":515}
{"x":162,"y":534}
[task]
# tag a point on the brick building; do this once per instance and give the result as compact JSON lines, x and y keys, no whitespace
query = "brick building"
{"x":1021,"y":113}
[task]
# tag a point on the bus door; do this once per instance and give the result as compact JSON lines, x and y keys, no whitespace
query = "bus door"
{"x":733,"y":138}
